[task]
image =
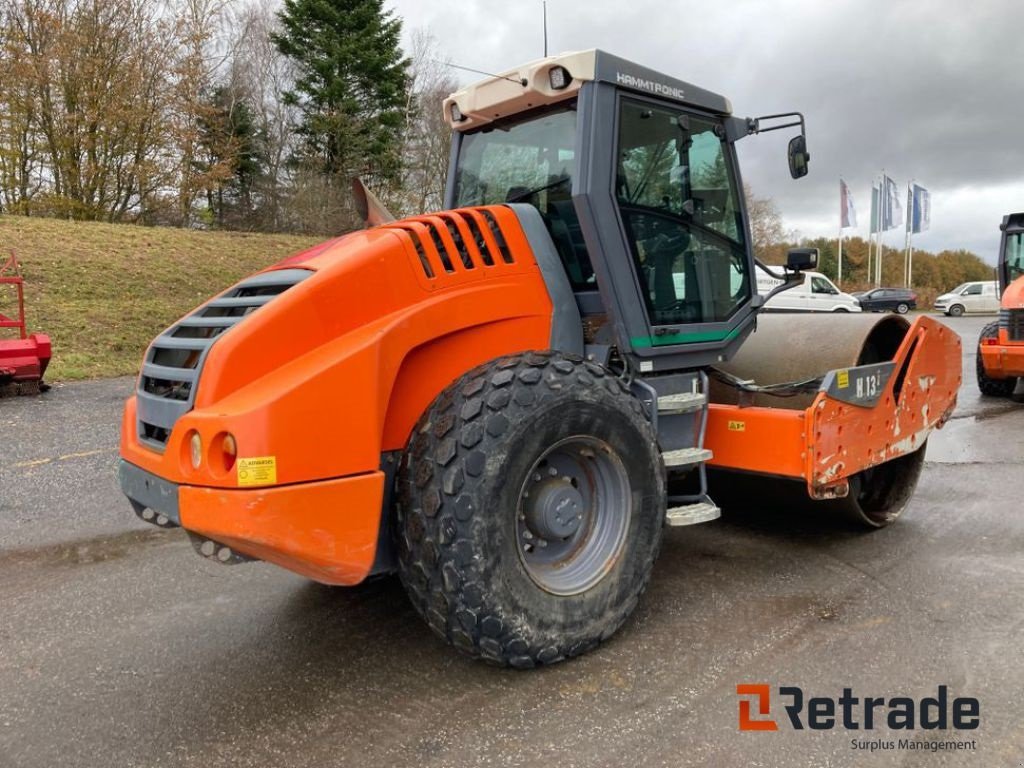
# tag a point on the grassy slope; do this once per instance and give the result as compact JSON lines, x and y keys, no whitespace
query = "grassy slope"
{"x":103,"y":291}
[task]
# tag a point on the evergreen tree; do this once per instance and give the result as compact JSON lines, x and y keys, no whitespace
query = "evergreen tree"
{"x":230,"y":158}
{"x":351,"y":88}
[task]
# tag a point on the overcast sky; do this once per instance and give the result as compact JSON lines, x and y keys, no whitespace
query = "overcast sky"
{"x":928,"y":90}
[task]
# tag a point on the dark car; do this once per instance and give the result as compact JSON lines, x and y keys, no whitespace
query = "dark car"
{"x":900,"y":300}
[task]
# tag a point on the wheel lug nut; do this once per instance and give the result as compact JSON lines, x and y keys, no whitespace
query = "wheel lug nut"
{"x":552,"y":471}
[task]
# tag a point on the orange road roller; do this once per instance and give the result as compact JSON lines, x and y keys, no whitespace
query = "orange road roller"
{"x":506,"y":402}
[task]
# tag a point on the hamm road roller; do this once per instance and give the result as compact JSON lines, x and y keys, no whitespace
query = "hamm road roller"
{"x":1000,"y":361}
{"x":507,"y":401}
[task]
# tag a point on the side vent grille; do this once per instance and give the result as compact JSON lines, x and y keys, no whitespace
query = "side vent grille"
{"x":456,"y":241}
{"x":175,"y":359}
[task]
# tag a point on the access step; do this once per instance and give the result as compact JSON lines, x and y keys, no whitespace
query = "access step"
{"x":691,"y":514}
{"x":686,"y":457}
{"x":682,"y":402}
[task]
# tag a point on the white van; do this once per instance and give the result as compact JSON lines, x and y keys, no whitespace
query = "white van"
{"x":816,"y":294}
{"x":970,"y":298}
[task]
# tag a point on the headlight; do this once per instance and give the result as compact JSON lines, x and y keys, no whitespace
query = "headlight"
{"x":559,"y":78}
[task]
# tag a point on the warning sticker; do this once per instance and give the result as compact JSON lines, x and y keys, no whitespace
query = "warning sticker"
{"x":259,"y":470}
{"x":843,"y":379}
{"x":737,"y":426}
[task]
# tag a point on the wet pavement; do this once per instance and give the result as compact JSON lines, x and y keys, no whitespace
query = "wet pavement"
{"x":120,"y":647}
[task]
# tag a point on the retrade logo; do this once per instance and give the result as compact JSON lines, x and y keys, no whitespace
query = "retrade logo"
{"x":854,"y":713}
{"x":761,"y":693}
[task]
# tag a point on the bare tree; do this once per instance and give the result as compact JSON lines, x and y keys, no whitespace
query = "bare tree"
{"x":428,"y":136}
{"x":19,"y":147}
{"x":199,"y":62}
{"x":259,"y":74}
{"x":765,"y":222}
{"x":90,"y":81}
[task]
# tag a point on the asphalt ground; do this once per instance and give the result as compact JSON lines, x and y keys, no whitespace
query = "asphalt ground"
{"x":121,"y":647}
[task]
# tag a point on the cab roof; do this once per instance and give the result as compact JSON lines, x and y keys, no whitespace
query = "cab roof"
{"x":529,"y":86}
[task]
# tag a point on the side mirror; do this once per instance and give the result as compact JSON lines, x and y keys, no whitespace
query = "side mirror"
{"x":798,"y":157}
{"x":801,"y":259}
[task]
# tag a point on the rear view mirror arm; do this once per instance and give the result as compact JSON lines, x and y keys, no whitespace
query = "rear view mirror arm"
{"x":789,"y":279}
{"x":754,"y":123}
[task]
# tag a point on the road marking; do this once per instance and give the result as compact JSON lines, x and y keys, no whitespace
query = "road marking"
{"x":65,"y":457}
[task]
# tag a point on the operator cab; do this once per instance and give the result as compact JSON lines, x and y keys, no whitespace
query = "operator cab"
{"x":1011,"y":257}
{"x":636,"y":178}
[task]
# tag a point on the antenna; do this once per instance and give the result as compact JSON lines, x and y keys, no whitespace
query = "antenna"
{"x":545,"y":5}
{"x":521,"y":81}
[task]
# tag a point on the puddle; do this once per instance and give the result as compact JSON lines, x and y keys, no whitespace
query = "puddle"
{"x":992,"y":437}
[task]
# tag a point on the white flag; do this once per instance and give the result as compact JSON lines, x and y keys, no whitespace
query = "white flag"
{"x":847,"y":212}
{"x":892,"y":210}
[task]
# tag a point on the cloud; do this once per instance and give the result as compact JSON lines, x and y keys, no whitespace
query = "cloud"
{"x":927,"y":90}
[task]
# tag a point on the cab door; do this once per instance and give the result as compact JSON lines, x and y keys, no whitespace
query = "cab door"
{"x":660,"y":205}
{"x":680,"y":210}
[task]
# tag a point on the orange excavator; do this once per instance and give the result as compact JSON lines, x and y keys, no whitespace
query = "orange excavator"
{"x":506,"y":402}
{"x":1000,"y":360}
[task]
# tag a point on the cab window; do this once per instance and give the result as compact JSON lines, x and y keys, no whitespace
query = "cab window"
{"x":1014,"y":256}
{"x":531,"y":160}
{"x":973,"y":290}
{"x":821,"y":285}
{"x":676,"y":192}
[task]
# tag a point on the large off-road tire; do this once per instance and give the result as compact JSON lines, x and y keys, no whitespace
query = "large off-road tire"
{"x":526,"y":447}
{"x":989,"y":386}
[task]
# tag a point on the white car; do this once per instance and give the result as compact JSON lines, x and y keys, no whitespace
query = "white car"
{"x":970,"y":298}
{"x":816,"y":294}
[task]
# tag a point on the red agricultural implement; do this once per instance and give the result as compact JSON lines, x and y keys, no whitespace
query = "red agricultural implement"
{"x":23,"y":359}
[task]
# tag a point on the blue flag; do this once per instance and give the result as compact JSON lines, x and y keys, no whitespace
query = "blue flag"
{"x":921,"y":216}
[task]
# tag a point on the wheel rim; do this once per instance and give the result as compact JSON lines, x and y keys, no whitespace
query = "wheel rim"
{"x":902,"y":309}
{"x":572,"y":516}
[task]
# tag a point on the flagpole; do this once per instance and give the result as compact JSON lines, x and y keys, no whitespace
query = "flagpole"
{"x":910,"y":263}
{"x":871,"y":235}
{"x":910,"y":237}
{"x":882,"y":192}
{"x":839,"y":272}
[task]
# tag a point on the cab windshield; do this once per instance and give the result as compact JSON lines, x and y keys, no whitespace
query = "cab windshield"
{"x":531,"y":160}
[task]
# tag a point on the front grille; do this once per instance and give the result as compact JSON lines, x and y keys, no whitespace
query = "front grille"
{"x":174,"y":361}
{"x":1013,"y":321}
